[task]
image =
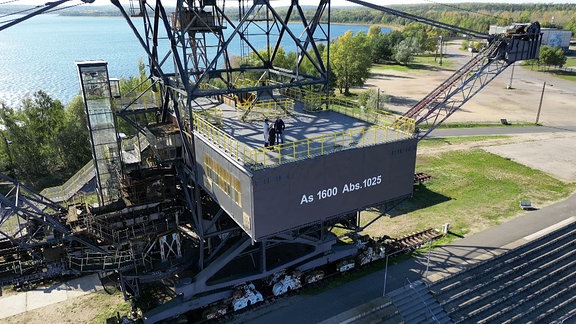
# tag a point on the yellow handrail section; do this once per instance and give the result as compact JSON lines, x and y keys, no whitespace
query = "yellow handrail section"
{"x":133,"y":102}
{"x":314,"y":101}
{"x":214,"y":115}
{"x":258,"y":158}
{"x":245,"y":83}
{"x":268,"y":108}
{"x":381,"y":118}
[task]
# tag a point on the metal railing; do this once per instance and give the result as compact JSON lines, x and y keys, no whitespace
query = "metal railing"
{"x":67,"y":190}
{"x":214,"y":116}
{"x":381,"y":118}
{"x":93,"y":261}
{"x":133,"y":102}
{"x":235,"y":148}
{"x":315,"y":102}
{"x":321,"y":145}
{"x":72,"y":186}
{"x":258,"y":158}
{"x":267,"y":108}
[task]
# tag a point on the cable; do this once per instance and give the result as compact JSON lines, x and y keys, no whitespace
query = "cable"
{"x":21,"y":11}
{"x":462,"y":9}
{"x":9,"y":1}
{"x":33,"y":8}
{"x":71,"y":6}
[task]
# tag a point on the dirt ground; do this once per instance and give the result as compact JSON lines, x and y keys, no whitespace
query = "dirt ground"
{"x":91,"y":308}
{"x":495,"y":102}
{"x":518,"y":104}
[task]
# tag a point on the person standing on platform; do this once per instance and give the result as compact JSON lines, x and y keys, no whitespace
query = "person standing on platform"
{"x":279,"y":126}
{"x":266,"y":129}
{"x":272,"y":136}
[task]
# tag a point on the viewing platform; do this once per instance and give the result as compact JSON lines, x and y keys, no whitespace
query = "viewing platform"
{"x":307,"y":134}
{"x":333,"y":162}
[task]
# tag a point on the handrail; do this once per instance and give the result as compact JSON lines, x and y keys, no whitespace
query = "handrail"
{"x":411,"y":285}
{"x":72,"y":185}
{"x":267,"y":108}
{"x":128,"y":102}
{"x":350,"y":108}
{"x":82,"y":177}
{"x":213,"y":115}
{"x":381,"y":118}
{"x":258,"y":158}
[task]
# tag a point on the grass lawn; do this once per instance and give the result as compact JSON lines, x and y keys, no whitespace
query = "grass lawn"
{"x":429,"y":59}
{"x":91,"y":308}
{"x":470,"y":189}
{"x":394,"y":67}
{"x":566,"y":75}
{"x":570,"y":76}
{"x":421,"y":62}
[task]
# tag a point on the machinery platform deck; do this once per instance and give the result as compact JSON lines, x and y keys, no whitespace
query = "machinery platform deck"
{"x":307,"y":134}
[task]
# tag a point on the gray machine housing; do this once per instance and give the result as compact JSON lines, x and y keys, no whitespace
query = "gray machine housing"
{"x":313,"y":190}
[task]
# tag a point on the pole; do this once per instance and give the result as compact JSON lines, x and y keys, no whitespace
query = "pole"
{"x":511,"y":76}
{"x":428,"y":260}
{"x":10,"y":161}
{"x":540,"y":105}
{"x":385,"y":276}
{"x":441,"y":44}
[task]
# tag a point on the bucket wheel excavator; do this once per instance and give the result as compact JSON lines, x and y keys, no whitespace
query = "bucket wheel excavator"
{"x":196,"y":206}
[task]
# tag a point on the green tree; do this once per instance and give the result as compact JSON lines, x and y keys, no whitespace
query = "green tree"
{"x":552,"y":56}
{"x":284,"y":60}
{"x":390,"y":41}
{"x":351,"y":60}
{"x":135,"y":85}
{"x":571,"y":25}
{"x":74,"y":138}
{"x":425,"y":36}
{"x":377,"y":43}
{"x":45,"y":142}
{"x":33,"y":130}
{"x":405,"y":50}
{"x":373,"y":99}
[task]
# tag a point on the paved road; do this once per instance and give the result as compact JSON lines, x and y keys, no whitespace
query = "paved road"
{"x":512,"y":130}
{"x":315,"y":308}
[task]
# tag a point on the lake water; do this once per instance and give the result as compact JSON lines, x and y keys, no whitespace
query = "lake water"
{"x":40,"y":53}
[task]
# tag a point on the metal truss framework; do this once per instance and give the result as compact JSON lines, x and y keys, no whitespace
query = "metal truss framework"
{"x":423,"y":20}
{"x":28,"y":218}
{"x":453,"y":93}
{"x":198,"y":49}
{"x":30,"y":225}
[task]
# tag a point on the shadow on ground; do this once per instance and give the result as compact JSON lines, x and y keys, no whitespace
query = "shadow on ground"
{"x":423,"y":198}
